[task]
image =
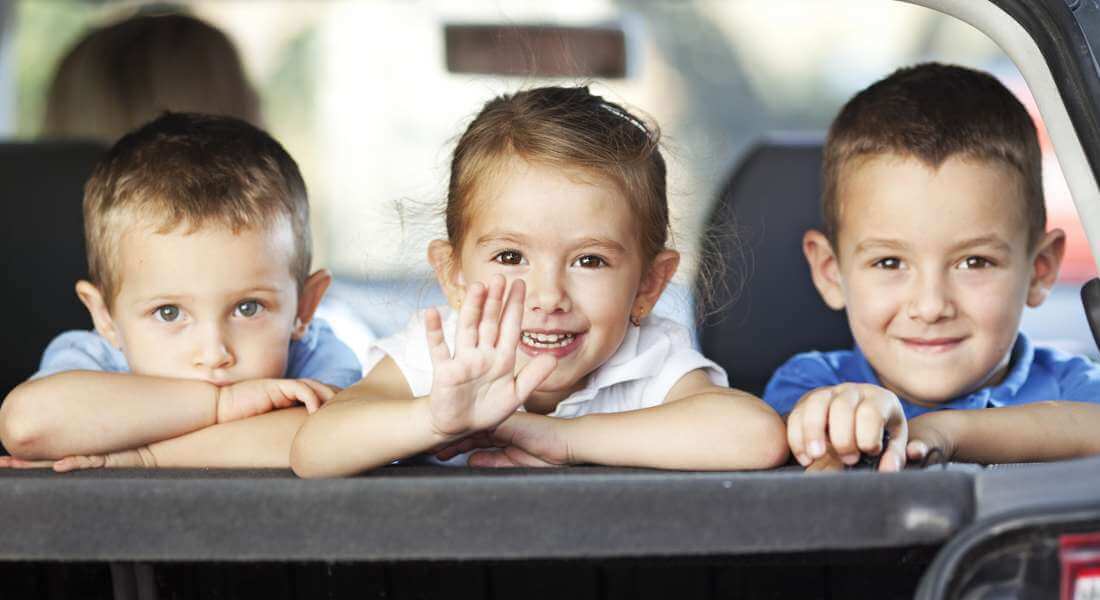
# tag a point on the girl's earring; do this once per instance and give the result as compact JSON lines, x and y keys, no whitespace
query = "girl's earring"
{"x":635,"y":320}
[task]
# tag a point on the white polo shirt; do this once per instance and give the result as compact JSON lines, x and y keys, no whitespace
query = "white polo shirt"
{"x":651,"y":359}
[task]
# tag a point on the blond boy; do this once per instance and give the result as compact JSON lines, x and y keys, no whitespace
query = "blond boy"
{"x":198,"y":243}
{"x":935,"y":239}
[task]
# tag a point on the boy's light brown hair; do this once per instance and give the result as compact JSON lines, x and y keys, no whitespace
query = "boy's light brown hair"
{"x":932,"y":112}
{"x":565,"y":127}
{"x":193,"y":170}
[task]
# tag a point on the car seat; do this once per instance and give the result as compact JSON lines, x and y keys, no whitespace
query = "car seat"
{"x":763,"y":307}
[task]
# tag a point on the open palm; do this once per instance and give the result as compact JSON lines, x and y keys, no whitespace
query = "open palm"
{"x":477,"y":388}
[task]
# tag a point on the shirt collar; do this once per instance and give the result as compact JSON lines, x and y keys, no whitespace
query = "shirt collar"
{"x":1019,"y":368}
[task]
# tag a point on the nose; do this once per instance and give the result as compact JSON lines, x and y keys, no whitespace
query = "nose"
{"x":546,"y":291}
{"x":931,"y":300}
{"x":212,"y":350}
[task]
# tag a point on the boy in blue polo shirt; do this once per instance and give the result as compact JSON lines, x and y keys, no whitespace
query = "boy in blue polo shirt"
{"x":935,"y":239}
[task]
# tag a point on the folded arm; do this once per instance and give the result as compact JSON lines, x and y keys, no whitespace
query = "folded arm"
{"x":1036,"y":432}
{"x":700,"y":427}
{"x":92,"y":412}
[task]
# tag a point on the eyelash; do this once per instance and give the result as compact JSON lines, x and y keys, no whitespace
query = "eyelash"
{"x":499,"y":257}
{"x":881,"y":263}
{"x":601,"y":261}
{"x":517,"y":256}
{"x":260,"y":308}
{"x":985,"y":262}
{"x":157,"y":313}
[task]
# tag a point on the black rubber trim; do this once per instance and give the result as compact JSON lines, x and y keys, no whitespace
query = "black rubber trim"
{"x":941,"y":580}
{"x":1071,"y":59}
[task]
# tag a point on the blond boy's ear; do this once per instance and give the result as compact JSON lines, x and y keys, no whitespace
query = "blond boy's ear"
{"x":824,"y":268}
{"x":97,"y":307}
{"x":1045,"y":265}
{"x":654,"y":282}
{"x":309,"y":299}
{"x":447,"y":271}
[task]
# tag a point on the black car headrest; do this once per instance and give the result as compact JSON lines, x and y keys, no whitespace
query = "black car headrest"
{"x":42,"y":242}
{"x":765,"y":308}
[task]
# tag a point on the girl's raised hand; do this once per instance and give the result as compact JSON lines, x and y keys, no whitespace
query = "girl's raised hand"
{"x":478,"y":387}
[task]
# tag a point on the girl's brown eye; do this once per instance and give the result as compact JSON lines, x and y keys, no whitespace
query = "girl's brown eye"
{"x":591,"y":261}
{"x":509,"y":257}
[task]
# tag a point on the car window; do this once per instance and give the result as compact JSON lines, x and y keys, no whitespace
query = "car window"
{"x":373,"y":134}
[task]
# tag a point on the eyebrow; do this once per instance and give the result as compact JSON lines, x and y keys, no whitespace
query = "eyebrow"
{"x":876,"y":243}
{"x":588,"y":242}
{"x":985,"y":240}
{"x":893,"y":244}
{"x":177,"y":298}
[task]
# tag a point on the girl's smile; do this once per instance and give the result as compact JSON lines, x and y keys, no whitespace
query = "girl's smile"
{"x":573,"y":239}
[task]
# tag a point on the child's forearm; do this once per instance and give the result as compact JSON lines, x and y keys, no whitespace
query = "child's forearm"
{"x":262,"y":441}
{"x":1036,"y":432}
{"x":708,"y":431}
{"x":353,"y":433}
{"x":88,"y":412}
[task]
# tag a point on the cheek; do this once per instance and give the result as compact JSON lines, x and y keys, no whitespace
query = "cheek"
{"x":871,"y":303}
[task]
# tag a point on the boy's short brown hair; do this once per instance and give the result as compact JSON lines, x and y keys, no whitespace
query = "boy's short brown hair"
{"x":931,"y":112}
{"x":193,"y":170}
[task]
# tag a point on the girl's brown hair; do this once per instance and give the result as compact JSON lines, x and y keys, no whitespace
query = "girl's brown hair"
{"x":566,"y":127}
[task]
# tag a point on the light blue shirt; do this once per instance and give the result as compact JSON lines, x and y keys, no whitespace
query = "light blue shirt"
{"x":1035,"y":373}
{"x":319,"y":355}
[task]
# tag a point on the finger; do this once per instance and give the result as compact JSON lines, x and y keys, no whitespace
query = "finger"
{"x":794,"y":437}
{"x":292,"y":391}
{"x":490,"y":317}
{"x":523,"y":458}
{"x":76,"y":463}
{"x":533,"y":374}
{"x":5,"y":462}
{"x":511,"y":322}
{"x":815,"y":412}
{"x":490,"y":458}
{"x":894,"y":456}
{"x":437,"y":345}
{"x":324,"y":392}
{"x":307,"y":395}
{"x":870,"y":425}
{"x":825,"y":464}
{"x":917,"y":450}
{"x":469,"y":316}
{"x":19,"y":463}
{"x":842,"y":426}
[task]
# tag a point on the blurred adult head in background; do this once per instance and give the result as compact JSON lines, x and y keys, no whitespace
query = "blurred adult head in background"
{"x":121,"y":76}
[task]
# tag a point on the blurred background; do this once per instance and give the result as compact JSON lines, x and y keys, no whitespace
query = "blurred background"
{"x":360,"y":93}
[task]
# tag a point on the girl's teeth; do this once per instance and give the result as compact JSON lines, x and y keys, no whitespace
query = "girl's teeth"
{"x":547,"y":340}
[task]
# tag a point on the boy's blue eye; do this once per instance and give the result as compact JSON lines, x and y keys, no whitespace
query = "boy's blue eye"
{"x":249,"y":308}
{"x":975,"y":262}
{"x":509,"y":257}
{"x":888,"y":263}
{"x":167,"y":313}
{"x":590,"y":261}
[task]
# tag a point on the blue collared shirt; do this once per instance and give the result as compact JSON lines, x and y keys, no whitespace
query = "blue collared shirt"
{"x":318,"y":355}
{"x":1035,"y":373}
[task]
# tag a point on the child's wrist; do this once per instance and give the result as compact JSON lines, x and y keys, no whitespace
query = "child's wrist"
{"x":572,"y":432}
{"x":424,"y":421}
